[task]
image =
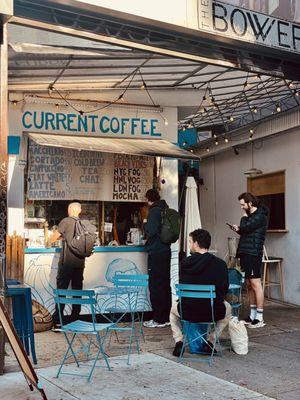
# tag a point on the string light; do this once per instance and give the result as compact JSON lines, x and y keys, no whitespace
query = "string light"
{"x":192,"y":151}
{"x":231,"y":118}
{"x":214,"y":135}
{"x":291,"y":85}
{"x":207,"y":149}
{"x":57,"y":106}
{"x":226,"y":140}
{"x":278,"y":108}
{"x":121,"y":97}
{"x":81,"y":112}
{"x":15,"y":103}
{"x":251,"y":137}
{"x":183,"y":128}
{"x":251,"y":131}
{"x":184,"y":143}
{"x":50,"y":90}
{"x":246,"y":84}
{"x":255,"y":110}
{"x":216,"y":142}
{"x":166,"y":122}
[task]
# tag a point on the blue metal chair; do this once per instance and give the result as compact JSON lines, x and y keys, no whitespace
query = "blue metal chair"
{"x":126,"y":291}
{"x":91,"y":329}
{"x":198,"y":292}
{"x":234,"y":295}
{"x":22,"y":315}
{"x":139,"y":284}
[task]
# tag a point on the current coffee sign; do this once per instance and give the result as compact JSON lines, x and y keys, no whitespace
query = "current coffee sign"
{"x":251,"y":26}
{"x":56,"y":173}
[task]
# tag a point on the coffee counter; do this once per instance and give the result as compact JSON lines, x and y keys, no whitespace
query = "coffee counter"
{"x":41,"y":266}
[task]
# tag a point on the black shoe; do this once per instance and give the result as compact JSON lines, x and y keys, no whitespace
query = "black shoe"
{"x":56,"y":328}
{"x":177,"y":349}
{"x":257,"y":324}
{"x":248,"y":321}
{"x":208,"y":348}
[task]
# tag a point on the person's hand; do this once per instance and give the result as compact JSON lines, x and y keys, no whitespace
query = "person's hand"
{"x":235,"y":228}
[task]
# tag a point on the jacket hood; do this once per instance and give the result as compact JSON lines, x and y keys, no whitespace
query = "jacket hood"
{"x":161,"y":204}
{"x":263,"y":210}
{"x":195,"y":263}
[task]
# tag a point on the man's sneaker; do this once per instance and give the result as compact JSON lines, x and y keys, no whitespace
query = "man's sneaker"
{"x":256,"y":324}
{"x":177,"y":349}
{"x":248,"y":321}
{"x":56,"y":328}
{"x":153,"y":324}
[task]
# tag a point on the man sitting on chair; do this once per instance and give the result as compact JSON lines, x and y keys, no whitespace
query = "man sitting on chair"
{"x":201,"y":268}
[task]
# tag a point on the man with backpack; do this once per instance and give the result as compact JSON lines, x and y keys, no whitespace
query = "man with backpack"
{"x":78,"y":241}
{"x":162,"y":229}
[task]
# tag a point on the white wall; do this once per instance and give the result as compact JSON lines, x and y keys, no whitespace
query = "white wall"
{"x":224,"y":181}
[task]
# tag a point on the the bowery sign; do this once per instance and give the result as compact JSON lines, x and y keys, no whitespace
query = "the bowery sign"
{"x":239,"y":23}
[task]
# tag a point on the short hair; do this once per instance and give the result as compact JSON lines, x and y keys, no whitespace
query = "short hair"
{"x":152,"y":195}
{"x":250,"y":198}
{"x":202,"y":237}
{"x":75,"y":205}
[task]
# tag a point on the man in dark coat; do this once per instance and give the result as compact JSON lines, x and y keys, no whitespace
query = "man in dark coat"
{"x":159,"y":263}
{"x":201,"y":268}
{"x":252,"y":231}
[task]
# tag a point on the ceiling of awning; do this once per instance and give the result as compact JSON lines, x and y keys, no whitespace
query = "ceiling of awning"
{"x":233,"y":97}
{"x":142,"y":147}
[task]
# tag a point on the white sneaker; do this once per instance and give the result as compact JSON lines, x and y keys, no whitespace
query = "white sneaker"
{"x":153,"y":324}
{"x":256,"y":324}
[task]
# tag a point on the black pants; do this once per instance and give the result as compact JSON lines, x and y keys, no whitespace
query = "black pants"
{"x":159,"y":266}
{"x":65,"y":275}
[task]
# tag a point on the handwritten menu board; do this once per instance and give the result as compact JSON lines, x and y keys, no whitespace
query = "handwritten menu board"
{"x":56,"y":173}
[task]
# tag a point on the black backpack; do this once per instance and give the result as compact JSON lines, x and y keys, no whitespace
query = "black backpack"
{"x":84,"y":239}
{"x":170,"y":226}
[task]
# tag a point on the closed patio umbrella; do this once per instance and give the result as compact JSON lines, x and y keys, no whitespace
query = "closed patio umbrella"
{"x":192,"y":218}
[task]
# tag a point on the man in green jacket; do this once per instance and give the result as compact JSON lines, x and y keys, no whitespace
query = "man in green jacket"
{"x":252,"y":231}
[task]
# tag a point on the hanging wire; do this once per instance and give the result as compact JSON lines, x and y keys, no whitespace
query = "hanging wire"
{"x":53,"y":88}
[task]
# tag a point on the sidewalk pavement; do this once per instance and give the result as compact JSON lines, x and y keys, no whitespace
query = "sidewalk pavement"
{"x":149,"y":377}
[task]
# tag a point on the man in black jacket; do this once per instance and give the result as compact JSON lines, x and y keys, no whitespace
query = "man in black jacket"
{"x":201,"y":268}
{"x":159,"y":263}
{"x":252,"y":231}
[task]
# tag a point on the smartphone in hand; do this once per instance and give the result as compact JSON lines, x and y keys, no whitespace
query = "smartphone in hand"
{"x":230,"y":226}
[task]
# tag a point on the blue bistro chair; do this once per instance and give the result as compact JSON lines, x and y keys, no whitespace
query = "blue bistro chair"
{"x":126,"y":291}
{"x":22,"y":315}
{"x":196,"y":333}
{"x":234,"y":295}
{"x":83,"y":328}
{"x":138,"y":283}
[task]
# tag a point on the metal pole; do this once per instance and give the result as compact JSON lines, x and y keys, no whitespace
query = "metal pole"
{"x":3,"y":166}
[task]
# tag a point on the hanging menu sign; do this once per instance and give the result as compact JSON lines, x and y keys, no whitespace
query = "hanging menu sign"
{"x":56,"y":173}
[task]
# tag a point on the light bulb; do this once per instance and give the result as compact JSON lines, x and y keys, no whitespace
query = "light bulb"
{"x":251,"y":131}
{"x":226,"y":140}
{"x":216,"y":143}
{"x":278,"y":108}
{"x":207,"y":149}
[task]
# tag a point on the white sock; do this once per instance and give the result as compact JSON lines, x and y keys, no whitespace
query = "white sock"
{"x":253,"y":311}
{"x":259,"y":314}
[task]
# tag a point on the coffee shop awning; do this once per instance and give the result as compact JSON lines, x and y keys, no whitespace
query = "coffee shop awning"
{"x":143,"y":147}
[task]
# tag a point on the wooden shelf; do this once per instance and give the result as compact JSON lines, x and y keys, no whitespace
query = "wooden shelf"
{"x":34,"y":220}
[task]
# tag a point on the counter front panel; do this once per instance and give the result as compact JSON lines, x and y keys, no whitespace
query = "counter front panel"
{"x":41,"y":269}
